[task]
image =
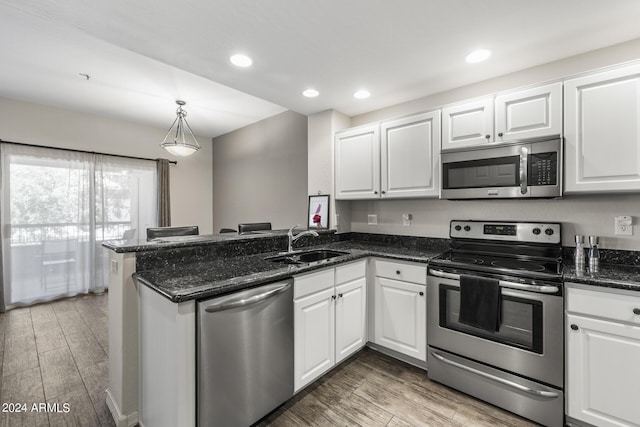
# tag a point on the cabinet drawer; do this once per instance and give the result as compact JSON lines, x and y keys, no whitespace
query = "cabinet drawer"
{"x":350,"y":272}
{"x":415,"y":273}
{"x":311,"y":283}
{"x":608,"y":305}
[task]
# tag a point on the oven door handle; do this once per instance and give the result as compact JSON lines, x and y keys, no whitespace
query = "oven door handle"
{"x":538,"y":393}
{"x":545,"y":289}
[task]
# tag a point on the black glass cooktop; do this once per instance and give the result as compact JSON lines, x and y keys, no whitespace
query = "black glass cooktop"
{"x":522,"y":266}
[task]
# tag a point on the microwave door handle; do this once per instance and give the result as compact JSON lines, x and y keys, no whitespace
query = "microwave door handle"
{"x":524,"y":157}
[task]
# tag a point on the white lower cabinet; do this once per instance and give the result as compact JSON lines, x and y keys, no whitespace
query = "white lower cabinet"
{"x":603,"y":350}
{"x":329,"y":319}
{"x":400,"y":315}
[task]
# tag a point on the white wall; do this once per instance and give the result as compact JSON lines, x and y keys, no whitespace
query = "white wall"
{"x":191,"y":189}
{"x":260,"y":173}
{"x":588,"y":215}
{"x":320,"y":174}
{"x":591,"y":214}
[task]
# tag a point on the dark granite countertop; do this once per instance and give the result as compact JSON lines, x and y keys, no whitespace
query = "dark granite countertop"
{"x":143,"y":245}
{"x":196,"y":267}
{"x":224,"y":275}
{"x":609,"y":276}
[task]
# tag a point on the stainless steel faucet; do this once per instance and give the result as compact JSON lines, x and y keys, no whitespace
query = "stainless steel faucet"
{"x":293,"y":238}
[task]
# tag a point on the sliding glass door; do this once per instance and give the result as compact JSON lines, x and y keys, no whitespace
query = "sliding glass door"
{"x":57,"y":208}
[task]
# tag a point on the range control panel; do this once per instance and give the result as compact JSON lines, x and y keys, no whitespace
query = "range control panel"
{"x":508,"y":230}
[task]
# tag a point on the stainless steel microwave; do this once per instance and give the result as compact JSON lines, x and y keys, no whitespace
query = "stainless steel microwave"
{"x":521,"y":169}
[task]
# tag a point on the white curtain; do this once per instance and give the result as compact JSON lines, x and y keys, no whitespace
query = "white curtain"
{"x":58,"y":207}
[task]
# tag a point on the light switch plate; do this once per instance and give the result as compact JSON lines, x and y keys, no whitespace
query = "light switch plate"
{"x":372,"y":219}
{"x":114,"y":266}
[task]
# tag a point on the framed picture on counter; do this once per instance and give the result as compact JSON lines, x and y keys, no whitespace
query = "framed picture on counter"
{"x":318,"y":217}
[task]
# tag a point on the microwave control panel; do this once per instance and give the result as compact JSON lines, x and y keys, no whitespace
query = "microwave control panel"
{"x":543,"y":168}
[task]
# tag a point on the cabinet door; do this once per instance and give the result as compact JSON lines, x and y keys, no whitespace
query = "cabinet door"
{"x":400,"y":317}
{"x":467,"y":124}
{"x":529,"y":113}
{"x":603,"y":371}
{"x":351,"y":317}
{"x":602,"y":131}
{"x":357,"y":163}
{"x":314,"y":340}
{"x":410,"y":156}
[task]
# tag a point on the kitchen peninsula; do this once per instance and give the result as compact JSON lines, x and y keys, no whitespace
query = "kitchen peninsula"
{"x":176,"y":272}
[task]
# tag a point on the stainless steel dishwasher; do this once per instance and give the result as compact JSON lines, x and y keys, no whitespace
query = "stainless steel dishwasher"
{"x":244,"y":355}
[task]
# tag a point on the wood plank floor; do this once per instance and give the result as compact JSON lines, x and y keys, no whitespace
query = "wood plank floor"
{"x":57,"y":353}
{"x":372,"y":389}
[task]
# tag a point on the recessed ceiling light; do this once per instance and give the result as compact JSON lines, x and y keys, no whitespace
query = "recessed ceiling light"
{"x":478,"y":56}
{"x":240,"y":60}
{"x":310,"y":93}
{"x":362,"y":94}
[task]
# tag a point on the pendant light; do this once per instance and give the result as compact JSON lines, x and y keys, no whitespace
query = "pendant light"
{"x":177,"y":141}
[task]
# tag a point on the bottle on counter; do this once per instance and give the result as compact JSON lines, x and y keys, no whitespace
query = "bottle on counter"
{"x":594,"y":254}
{"x":579,"y":254}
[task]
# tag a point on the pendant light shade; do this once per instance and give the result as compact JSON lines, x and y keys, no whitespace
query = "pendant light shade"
{"x":180,"y":140}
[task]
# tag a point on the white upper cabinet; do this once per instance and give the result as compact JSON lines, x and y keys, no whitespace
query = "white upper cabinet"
{"x":357,"y":163}
{"x":410,"y":156}
{"x":602,"y":131}
{"x":466,"y":125}
{"x":517,"y":115}
{"x":397,"y":158}
{"x":529,"y":113}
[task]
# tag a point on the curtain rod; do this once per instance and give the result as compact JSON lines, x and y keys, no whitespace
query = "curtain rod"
{"x":173,"y":162}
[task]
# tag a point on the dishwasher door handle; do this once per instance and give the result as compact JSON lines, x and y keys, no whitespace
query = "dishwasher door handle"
{"x":259,"y":295}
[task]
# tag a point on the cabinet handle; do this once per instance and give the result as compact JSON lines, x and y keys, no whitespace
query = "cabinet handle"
{"x":333,"y":297}
{"x":375,"y":192}
{"x":384,"y":192}
{"x":500,"y":134}
{"x":574,"y":327}
{"x":421,"y":293}
{"x":397,"y":271}
{"x":488,"y":136}
{"x":636,"y":311}
{"x":340,"y":295}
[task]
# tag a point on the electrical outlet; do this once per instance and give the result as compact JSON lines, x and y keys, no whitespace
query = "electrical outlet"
{"x":623,"y":226}
{"x":406,"y":219}
{"x":372,"y":219}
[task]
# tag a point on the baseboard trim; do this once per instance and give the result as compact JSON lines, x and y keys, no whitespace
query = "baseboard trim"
{"x":120,"y":419}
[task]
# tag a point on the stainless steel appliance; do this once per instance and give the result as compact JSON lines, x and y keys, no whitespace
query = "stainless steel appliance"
{"x":531,"y":168}
{"x":516,"y":364}
{"x":244,"y":355}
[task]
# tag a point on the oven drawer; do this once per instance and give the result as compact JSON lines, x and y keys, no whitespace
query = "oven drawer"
{"x":538,"y":402}
{"x":414,"y":273}
{"x":623,"y":307}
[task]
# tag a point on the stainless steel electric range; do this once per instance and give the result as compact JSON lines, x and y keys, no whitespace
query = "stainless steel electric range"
{"x":495,"y":316}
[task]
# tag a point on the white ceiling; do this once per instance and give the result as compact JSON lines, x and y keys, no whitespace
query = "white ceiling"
{"x":143,"y":54}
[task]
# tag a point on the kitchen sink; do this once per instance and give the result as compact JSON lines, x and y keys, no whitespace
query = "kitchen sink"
{"x":306,"y":256}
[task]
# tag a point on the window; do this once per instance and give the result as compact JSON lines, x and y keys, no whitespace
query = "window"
{"x":58,"y":207}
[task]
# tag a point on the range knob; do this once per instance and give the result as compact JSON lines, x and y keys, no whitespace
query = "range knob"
{"x":536,"y":231}
{"x":458,"y":228}
{"x":548,"y":232}
{"x":467,"y":228}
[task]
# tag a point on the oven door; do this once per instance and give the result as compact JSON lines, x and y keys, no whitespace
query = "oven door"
{"x":528,"y":343}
